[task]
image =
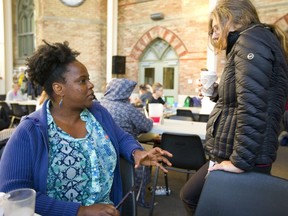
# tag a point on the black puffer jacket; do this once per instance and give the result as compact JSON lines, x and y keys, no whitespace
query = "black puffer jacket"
{"x":244,"y":124}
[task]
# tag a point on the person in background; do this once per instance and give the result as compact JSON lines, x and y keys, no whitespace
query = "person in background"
{"x":68,"y":151}
{"x":130,"y":119}
{"x":157,"y":94}
{"x":116,"y":101}
{"x":15,"y":94}
{"x":243,"y":127}
{"x":144,"y":95}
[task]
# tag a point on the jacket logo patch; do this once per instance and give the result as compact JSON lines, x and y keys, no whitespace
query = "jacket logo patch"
{"x":250,"y":56}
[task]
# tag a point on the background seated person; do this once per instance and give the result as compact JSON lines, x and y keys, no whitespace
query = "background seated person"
{"x":144,"y":95}
{"x":68,"y":151}
{"x":130,"y":119}
{"x":15,"y":93}
{"x":157,"y":94}
{"x":116,"y":100}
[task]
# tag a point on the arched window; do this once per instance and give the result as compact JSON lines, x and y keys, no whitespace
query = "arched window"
{"x":25,"y":28}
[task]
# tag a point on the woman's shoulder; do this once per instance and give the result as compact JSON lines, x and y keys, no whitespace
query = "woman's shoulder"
{"x":97,"y":105}
{"x":257,"y":34}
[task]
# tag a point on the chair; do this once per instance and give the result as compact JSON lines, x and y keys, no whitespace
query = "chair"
{"x":188,"y":156}
{"x":182,"y":112}
{"x":129,"y":207}
{"x":31,"y":108}
{"x":2,"y":97}
{"x":203,"y":118}
{"x":4,"y":137}
{"x":183,"y":118}
{"x":249,"y":194}
{"x":4,"y":119}
{"x":6,"y":107}
{"x":17,"y":113}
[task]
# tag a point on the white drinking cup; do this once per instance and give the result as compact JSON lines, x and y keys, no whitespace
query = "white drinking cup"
{"x":155,"y":112}
{"x":19,"y":202}
{"x":207,"y":80}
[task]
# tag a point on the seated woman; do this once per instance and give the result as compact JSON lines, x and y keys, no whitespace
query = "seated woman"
{"x":157,"y":94}
{"x":144,"y":95}
{"x":68,"y":151}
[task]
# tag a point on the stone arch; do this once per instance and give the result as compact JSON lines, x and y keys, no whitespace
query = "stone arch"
{"x":159,"y":32}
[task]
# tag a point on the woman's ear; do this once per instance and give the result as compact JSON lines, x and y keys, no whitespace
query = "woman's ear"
{"x":57,"y":88}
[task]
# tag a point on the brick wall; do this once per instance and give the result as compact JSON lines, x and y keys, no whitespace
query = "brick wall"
{"x":188,"y":21}
{"x":184,"y":26}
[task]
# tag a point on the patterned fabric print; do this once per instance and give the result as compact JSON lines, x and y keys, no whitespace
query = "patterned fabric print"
{"x":82,"y":169}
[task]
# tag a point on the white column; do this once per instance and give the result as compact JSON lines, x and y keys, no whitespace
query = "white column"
{"x":2,"y":50}
{"x":112,"y":34}
{"x":6,"y":53}
{"x":211,"y":57}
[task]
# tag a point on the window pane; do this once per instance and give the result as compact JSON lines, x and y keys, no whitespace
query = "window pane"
{"x":168,"y":78}
{"x":25,"y":45}
{"x":25,"y":28}
{"x":149,"y":75}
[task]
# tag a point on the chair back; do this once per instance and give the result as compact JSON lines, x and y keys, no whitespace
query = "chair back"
{"x":188,"y":152}
{"x":2,"y":97}
{"x":31,"y":108}
{"x":183,"y":112}
{"x":248,"y":193}
{"x":17,"y":110}
{"x":4,"y":137}
{"x":4,"y":119}
{"x":183,"y":118}
{"x":129,"y":207}
{"x":6,"y":107}
{"x":203,"y":118}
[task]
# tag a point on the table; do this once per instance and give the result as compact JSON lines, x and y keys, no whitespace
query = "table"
{"x":27,"y":106}
{"x":24,"y":102}
{"x":181,"y":127}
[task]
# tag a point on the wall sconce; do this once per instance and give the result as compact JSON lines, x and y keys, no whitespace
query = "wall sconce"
{"x":157,"y":16}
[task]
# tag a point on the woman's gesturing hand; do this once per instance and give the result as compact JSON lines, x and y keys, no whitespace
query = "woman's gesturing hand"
{"x":153,"y":157}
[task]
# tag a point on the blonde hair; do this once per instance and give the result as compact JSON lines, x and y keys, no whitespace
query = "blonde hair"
{"x":241,"y":14}
{"x":42,"y":97}
{"x":156,"y":86}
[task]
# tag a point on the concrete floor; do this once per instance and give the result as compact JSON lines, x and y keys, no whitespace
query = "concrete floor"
{"x":172,"y":205}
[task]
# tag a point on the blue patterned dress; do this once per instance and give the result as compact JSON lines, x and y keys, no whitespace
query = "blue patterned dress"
{"x":80,"y":169}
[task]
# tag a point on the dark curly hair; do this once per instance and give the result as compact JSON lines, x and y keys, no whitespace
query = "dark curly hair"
{"x":48,"y":64}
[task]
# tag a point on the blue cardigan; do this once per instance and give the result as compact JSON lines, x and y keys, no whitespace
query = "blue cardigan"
{"x":24,"y":163}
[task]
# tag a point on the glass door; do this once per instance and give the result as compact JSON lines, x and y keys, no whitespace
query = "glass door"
{"x":160,"y":64}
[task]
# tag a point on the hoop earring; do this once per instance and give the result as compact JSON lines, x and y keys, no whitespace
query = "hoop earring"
{"x":61,"y":102}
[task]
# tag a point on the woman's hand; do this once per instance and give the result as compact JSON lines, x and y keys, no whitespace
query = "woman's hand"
{"x":214,"y":96}
{"x":226,"y":166}
{"x":98,"y":210}
{"x":154,"y":157}
{"x":199,"y":88}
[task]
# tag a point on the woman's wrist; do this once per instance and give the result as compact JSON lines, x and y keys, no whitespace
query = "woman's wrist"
{"x":134,"y":153}
{"x":81,"y":211}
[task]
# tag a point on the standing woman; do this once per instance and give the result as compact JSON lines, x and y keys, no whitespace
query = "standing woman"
{"x":244,"y":124}
{"x":68,"y":151}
